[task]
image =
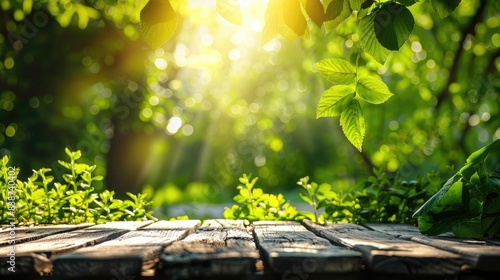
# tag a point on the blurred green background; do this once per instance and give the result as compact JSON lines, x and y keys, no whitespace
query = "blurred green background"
{"x":183,"y":122}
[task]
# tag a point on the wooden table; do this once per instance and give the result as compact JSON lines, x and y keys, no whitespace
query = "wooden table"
{"x":237,"y":250}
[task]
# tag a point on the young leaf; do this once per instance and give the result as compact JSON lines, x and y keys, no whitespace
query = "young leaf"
{"x":393,"y":25}
{"x":368,"y":39}
{"x":444,"y":7}
{"x":294,"y":18}
{"x":158,"y":22}
{"x":372,"y":90}
{"x":353,"y":124}
{"x":336,"y":12}
{"x":230,"y":10}
{"x":336,"y":70}
{"x":314,"y":9}
{"x":334,"y":101}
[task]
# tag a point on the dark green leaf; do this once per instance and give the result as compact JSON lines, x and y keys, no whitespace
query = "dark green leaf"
{"x":444,"y":7}
{"x":314,"y":9}
{"x":436,"y":197}
{"x":368,"y":39}
{"x":393,"y":25}
{"x":407,"y":2}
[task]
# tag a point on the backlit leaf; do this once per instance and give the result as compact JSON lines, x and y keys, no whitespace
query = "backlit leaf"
{"x":352,"y":122}
{"x":158,"y":22}
{"x":356,"y":4}
{"x":294,"y":18}
{"x":373,"y":90}
{"x":314,"y":9}
{"x":393,"y":25}
{"x":368,"y":39}
{"x":336,"y":12}
{"x":336,"y":70}
{"x":407,"y":2}
{"x":444,"y":7}
{"x":334,"y":101}
{"x":230,"y":10}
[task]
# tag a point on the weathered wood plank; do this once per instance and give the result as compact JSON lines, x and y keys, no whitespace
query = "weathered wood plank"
{"x":387,"y":254}
{"x":288,"y":247}
{"x":217,"y":248}
{"x":34,"y":257}
{"x":28,"y":233}
{"x":478,"y":254}
{"x":129,"y":255}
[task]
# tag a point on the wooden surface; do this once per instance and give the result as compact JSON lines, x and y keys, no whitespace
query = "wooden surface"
{"x":239,"y":250}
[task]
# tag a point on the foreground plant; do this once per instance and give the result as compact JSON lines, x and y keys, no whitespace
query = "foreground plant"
{"x":468,"y":204}
{"x":74,"y":200}
{"x":253,"y":204}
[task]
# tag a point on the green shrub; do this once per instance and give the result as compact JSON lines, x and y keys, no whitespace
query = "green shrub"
{"x":40,"y":199}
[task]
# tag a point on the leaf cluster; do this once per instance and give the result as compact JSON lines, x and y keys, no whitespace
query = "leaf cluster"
{"x":468,"y":204}
{"x":379,"y":198}
{"x":253,"y":204}
{"x":40,"y":199}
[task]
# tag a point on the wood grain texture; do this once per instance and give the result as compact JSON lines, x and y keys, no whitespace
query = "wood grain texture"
{"x":129,"y":255}
{"x":478,"y":254}
{"x":34,"y":257}
{"x":217,"y":248}
{"x":288,"y":246}
{"x":29,"y":233}
{"x":387,"y":254}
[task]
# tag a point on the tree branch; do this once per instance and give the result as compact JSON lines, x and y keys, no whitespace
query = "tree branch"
{"x":469,"y":29}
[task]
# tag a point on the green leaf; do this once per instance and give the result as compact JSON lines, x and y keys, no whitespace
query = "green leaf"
{"x":373,"y":90}
{"x":407,"y":2}
{"x":294,"y":18}
{"x":357,"y":5}
{"x":429,"y":204}
{"x":336,"y":70}
{"x":314,"y":9}
{"x":158,"y":22}
{"x":368,"y":39}
{"x":230,"y":10}
{"x":352,"y":122}
{"x":336,"y":12}
{"x":444,"y":7}
{"x":393,"y":25}
{"x":481,"y":154}
{"x":334,"y":101}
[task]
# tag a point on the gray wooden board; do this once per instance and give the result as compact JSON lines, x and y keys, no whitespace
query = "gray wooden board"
{"x":387,"y":254}
{"x":34,"y":257}
{"x":218,"y":247}
{"x":478,"y":254}
{"x":127,"y":255}
{"x":28,"y":233}
{"x":289,"y":246}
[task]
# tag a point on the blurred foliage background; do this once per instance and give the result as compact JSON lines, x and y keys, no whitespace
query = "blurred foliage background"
{"x":184,"y":121}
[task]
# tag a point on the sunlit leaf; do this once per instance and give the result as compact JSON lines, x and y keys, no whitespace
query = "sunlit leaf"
{"x":368,"y":39}
{"x":314,"y":9}
{"x":336,"y":70}
{"x":230,"y":10}
{"x":356,"y":4}
{"x":294,"y":18}
{"x":444,"y":7}
{"x":373,"y":90}
{"x":352,"y":122}
{"x":393,"y":25}
{"x":275,"y":23}
{"x":334,"y":101}
{"x":158,"y":22}
{"x":336,"y":12}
